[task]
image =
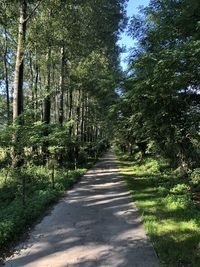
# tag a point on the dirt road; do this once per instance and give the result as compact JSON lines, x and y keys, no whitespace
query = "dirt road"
{"x":95,"y":224}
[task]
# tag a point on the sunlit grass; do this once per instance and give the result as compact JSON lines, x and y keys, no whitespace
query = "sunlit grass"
{"x":171,"y":219}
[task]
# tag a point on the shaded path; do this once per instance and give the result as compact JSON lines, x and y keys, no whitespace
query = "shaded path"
{"x":96,"y":224}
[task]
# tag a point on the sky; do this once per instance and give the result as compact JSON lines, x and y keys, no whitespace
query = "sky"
{"x":132,"y":9}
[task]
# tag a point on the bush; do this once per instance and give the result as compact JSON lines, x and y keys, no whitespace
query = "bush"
{"x":180,"y":189}
{"x":195,"y":177}
{"x":174,"y":202}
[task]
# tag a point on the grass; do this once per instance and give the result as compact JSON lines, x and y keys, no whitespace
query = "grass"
{"x":15,"y":217}
{"x":171,"y":219}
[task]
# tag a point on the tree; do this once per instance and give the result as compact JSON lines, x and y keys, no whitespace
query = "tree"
{"x":19,"y":66}
{"x":163,"y":84}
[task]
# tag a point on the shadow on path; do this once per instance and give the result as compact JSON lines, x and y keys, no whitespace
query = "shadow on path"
{"x":96,"y":224}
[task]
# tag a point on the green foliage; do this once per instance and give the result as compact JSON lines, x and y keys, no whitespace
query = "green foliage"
{"x":195,"y":176}
{"x":14,"y":219}
{"x":14,"y":216}
{"x":163,"y":191}
{"x":179,"y":189}
{"x":177,"y":202}
{"x":160,"y":104}
{"x":195,"y":179}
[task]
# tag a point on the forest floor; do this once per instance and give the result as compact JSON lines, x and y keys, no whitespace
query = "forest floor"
{"x":95,"y":224}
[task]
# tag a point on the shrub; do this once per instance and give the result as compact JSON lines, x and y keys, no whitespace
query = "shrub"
{"x":174,"y":202}
{"x":179,"y":189}
{"x":195,"y":177}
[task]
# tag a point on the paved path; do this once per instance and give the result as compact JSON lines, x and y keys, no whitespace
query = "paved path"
{"x":96,"y":224}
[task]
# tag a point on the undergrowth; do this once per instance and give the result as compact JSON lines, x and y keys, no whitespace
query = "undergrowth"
{"x":16,"y":216}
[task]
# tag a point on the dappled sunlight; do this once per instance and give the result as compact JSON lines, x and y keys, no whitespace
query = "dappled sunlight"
{"x":171,"y":225}
{"x":96,"y":224}
{"x":101,"y":173}
{"x":106,"y":201}
{"x":170,"y":218}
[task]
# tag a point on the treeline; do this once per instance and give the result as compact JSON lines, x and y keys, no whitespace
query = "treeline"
{"x":160,"y":110}
{"x":59,"y":70}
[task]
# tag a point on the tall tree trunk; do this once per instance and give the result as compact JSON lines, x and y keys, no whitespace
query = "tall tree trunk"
{"x":47,"y":100}
{"x":47,"y":107}
{"x":19,"y":66}
{"x":40,"y":104}
{"x":77,"y":148}
{"x":82,"y":117}
{"x":61,"y":93}
{"x":86,"y":128}
{"x":31,"y":83}
{"x":70,"y":109}
{"x":6,"y":78}
{"x":18,"y":86}
{"x":70,"y":103}
{"x":78,"y":117}
{"x":36,"y":90}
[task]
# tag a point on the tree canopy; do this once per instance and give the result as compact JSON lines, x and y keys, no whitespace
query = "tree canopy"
{"x":161,"y":100}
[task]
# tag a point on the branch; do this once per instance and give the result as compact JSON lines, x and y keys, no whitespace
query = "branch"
{"x":33,"y":11}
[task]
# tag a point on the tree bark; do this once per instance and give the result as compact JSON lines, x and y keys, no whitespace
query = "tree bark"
{"x":83,"y":117}
{"x":47,"y":107}
{"x":70,"y":110}
{"x":70,"y":103}
{"x":61,"y":93}
{"x":47,"y":100}
{"x":6,"y":78}
{"x":31,"y":83}
{"x":19,"y":66}
{"x":18,"y":87}
{"x":36,"y":90}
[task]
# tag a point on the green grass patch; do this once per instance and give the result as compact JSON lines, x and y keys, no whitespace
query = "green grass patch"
{"x":171,"y":219}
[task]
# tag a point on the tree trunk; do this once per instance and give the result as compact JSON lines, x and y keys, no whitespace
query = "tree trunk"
{"x":47,"y":100}
{"x":19,"y":66}
{"x":61,"y":93}
{"x":47,"y":107}
{"x":70,"y":110}
{"x":18,"y":87}
{"x":31,"y":83}
{"x":85,"y":129}
{"x":78,"y":117}
{"x":82,"y":117}
{"x":6,"y":78}
{"x":36,"y":90}
{"x":70,"y":103}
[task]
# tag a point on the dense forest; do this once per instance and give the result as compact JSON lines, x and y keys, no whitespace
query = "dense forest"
{"x":64,"y":98}
{"x":58,"y":75}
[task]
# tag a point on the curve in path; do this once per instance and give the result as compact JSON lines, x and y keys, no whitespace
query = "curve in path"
{"x":95,"y":224}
